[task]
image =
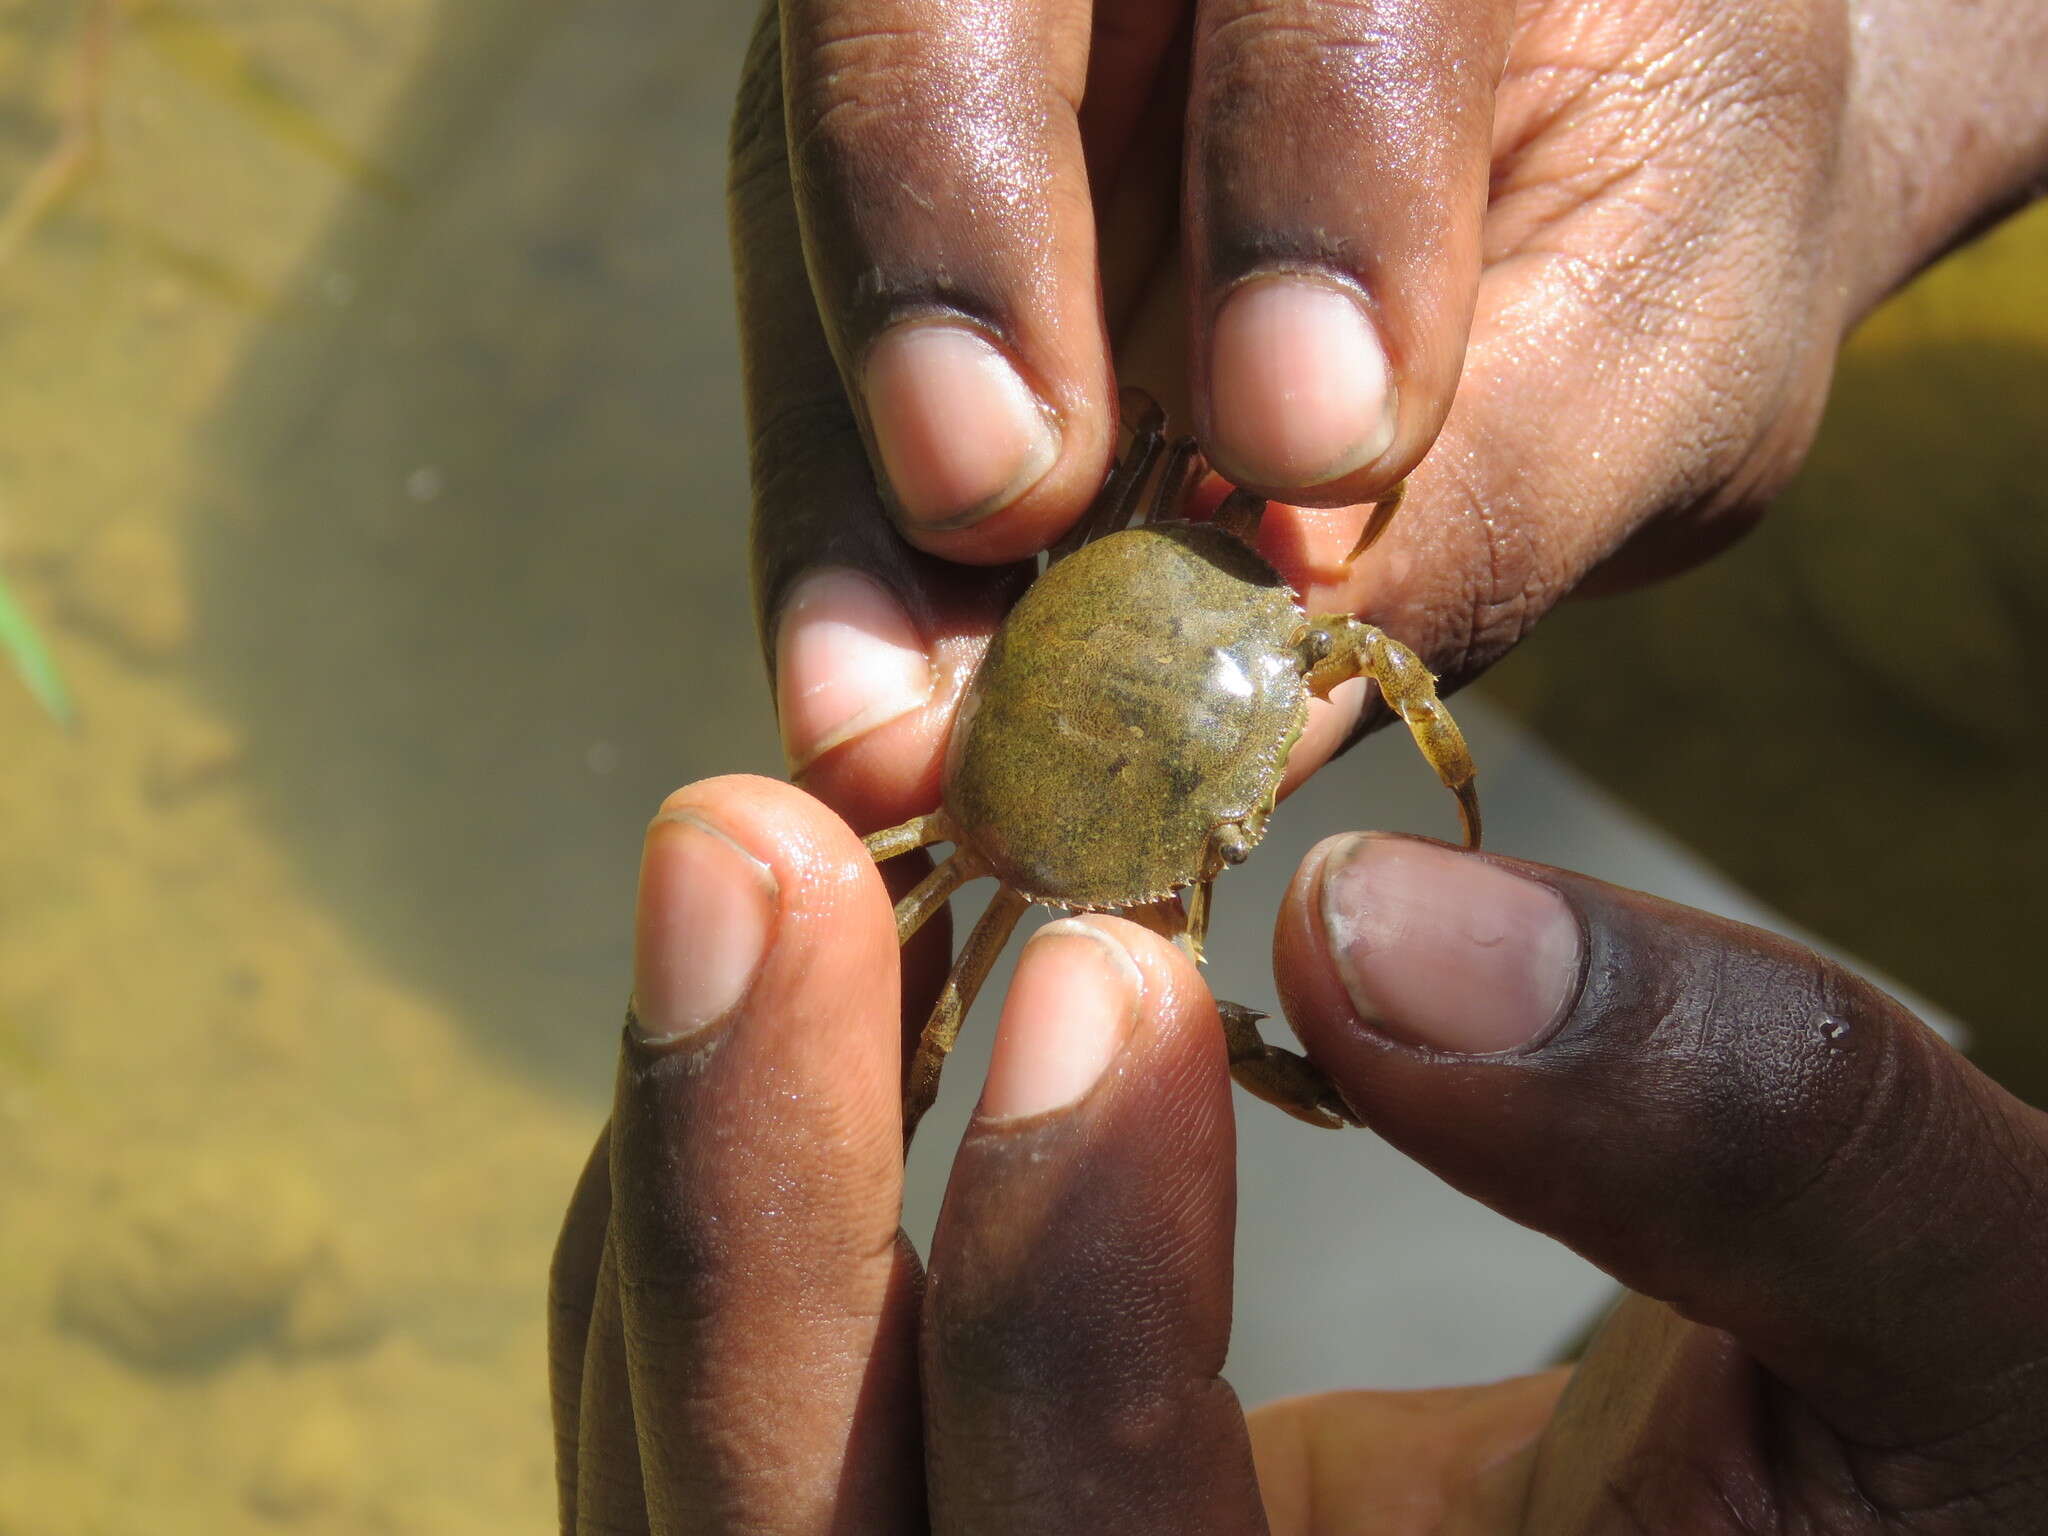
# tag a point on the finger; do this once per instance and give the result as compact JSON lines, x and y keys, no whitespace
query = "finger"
{"x":1397,"y":1461}
{"x":1338,"y":162}
{"x":611,"y":1499}
{"x":944,"y":201}
{"x":868,"y":677}
{"x":1549,"y":462}
{"x":1713,"y":1114}
{"x":1666,"y":1419}
{"x":870,"y":642}
{"x":1652,"y":339}
{"x":757,"y":1174}
{"x":1080,"y":1278}
{"x":572,"y":1295}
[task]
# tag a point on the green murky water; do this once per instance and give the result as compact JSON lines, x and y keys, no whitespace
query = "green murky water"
{"x":370,"y":464}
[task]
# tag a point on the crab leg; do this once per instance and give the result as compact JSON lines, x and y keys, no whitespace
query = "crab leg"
{"x":1167,"y":918}
{"x":1338,"y":647}
{"x":933,"y":892}
{"x":1282,"y":1078}
{"x":1376,"y":521}
{"x":1184,"y":466}
{"x":1240,"y":514}
{"x":977,"y":956}
{"x":918,"y":832}
{"x":1198,"y":917}
{"x":1117,"y":502}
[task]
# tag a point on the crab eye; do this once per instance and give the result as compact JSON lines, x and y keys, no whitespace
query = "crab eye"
{"x":1318,"y":645}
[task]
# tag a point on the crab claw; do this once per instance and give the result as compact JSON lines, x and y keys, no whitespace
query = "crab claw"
{"x":1282,"y":1078}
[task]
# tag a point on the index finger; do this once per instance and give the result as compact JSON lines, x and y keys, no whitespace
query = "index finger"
{"x":936,"y":158}
{"x":870,"y":641}
{"x":769,"y":1304}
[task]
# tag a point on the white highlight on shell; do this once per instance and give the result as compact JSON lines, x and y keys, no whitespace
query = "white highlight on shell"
{"x":1228,"y":674}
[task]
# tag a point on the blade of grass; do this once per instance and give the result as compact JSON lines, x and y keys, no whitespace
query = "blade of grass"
{"x":20,"y":643}
{"x":71,"y":157}
{"x":207,"y":53}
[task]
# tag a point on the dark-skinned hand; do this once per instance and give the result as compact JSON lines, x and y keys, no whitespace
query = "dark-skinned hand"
{"x":1830,"y":1224}
{"x":1626,"y":235}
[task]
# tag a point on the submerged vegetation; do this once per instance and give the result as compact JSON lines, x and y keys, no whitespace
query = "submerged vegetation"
{"x":206,"y":53}
{"x":24,"y":647}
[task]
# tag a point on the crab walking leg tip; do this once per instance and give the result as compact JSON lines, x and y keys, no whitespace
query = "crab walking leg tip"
{"x":1378,"y":520}
{"x":1468,"y":812}
{"x":932,"y":893}
{"x":1338,"y":647}
{"x":1281,"y":1078}
{"x":976,"y":959}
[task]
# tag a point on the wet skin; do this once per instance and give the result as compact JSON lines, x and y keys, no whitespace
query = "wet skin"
{"x":1631,"y":236}
{"x":1626,"y":235}
{"x":1827,"y":1219}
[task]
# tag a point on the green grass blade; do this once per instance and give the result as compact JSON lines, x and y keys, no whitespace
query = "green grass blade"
{"x":207,"y":53}
{"x":20,"y":643}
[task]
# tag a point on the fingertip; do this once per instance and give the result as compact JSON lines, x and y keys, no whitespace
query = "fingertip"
{"x":959,"y":434}
{"x":778,"y":823}
{"x":869,"y":673}
{"x":1301,"y":393}
{"x":892,"y":769}
{"x":760,"y":914}
{"x":1387,"y":940}
{"x":1174,"y":1003}
{"x":793,"y":849}
{"x":1071,"y":1007}
{"x":1311,"y":997}
{"x":1043,"y":499}
{"x":849,"y":660}
{"x":1097,"y":999}
{"x":1440,"y":948}
{"x":706,"y":912}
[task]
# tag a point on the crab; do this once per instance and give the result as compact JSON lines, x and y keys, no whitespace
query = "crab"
{"x":1124,"y":739}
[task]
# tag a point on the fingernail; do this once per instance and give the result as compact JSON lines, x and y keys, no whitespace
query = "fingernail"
{"x":707,"y":907}
{"x":1440,"y":948}
{"x":960,"y":434}
{"x":1299,"y":389}
{"x":847,"y":659}
{"x":1070,"y":1009}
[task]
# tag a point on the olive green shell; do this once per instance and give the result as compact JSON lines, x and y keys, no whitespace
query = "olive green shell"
{"x":1142,"y":693}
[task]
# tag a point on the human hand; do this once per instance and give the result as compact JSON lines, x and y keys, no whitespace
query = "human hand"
{"x":1629,"y":233}
{"x":1830,"y":1222}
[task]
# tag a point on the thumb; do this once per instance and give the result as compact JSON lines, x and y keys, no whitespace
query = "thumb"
{"x":1715,"y":1115}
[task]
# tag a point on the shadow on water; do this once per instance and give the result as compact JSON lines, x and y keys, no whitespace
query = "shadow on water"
{"x":470,"y":540}
{"x":1849,"y":713}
